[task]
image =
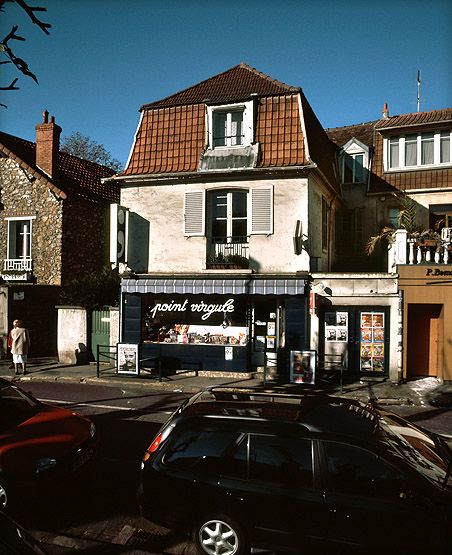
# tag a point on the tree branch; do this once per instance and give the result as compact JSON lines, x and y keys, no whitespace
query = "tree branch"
{"x":31,"y":15}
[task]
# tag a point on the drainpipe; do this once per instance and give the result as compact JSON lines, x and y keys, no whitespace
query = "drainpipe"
{"x":400,"y":339}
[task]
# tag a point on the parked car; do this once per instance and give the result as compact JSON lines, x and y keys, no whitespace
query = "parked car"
{"x":39,"y":443}
{"x":14,"y":540}
{"x":236,"y":468}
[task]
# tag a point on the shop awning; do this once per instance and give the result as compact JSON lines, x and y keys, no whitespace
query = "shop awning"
{"x":215,"y":286}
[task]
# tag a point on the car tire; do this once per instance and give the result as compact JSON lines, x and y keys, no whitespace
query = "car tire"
{"x":220,"y":535}
{"x":4,"y":495}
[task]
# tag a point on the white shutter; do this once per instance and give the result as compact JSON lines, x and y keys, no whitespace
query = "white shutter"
{"x":262,"y":211}
{"x":194,"y":213}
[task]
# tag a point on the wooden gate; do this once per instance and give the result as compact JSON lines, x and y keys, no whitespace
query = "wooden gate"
{"x":100,"y":331}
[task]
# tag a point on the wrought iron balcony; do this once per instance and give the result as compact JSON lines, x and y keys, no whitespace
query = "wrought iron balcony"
{"x":228,"y":252}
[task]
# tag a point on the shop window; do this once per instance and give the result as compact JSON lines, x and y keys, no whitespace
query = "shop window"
{"x":195,"y":319}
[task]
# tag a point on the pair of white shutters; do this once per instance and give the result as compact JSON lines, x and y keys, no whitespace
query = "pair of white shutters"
{"x":260,"y":212}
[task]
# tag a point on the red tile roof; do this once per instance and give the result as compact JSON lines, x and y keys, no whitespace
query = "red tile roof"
{"x":172,"y":134}
{"x":233,"y":85}
{"x":416,"y":119}
{"x":364,"y":132}
{"x":76,"y":176}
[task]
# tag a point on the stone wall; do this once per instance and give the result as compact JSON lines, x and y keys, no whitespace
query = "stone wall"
{"x":22,"y":195}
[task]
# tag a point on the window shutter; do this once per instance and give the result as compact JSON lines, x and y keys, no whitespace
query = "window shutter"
{"x":194,"y":213}
{"x":262,"y":211}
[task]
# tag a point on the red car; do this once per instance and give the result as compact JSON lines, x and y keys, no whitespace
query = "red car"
{"x":39,"y":442}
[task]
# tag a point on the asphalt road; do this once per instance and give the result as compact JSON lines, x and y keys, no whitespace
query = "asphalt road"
{"x":100,"y":514}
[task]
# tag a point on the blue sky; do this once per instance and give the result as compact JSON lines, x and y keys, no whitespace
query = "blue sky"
{"x":103,"y":59}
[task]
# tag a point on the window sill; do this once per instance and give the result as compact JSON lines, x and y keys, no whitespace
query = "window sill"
{"x":419,"y":168}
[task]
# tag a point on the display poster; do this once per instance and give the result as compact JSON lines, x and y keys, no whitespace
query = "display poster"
{"x":372,"y":349}
{"x":336,"y":327}
{"x":271,"y":342}
{"x":302,"y":367}
{"x":127,"y":358}
{"x":271,"y":328}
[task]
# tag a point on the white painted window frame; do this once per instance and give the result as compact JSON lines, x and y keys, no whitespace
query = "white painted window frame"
{"x":10,"y":219}
{"x":354,"y":148}
{"x":436,"y":152}
{"x":248,"y":123}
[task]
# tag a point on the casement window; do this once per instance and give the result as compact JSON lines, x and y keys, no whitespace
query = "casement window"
{"x":393,"y":217}
{"x":19,"y":238}
{"x":349,"y":231}
{"x":417,"y":150}
{"x":229,"y":213}
{"x":352,"y":170}
{"x":354,"y":162}
{"x":230,"y":126}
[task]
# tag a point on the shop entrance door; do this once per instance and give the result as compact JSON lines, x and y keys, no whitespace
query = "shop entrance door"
{"x":423,"y":339}
{"x":360,"y":335}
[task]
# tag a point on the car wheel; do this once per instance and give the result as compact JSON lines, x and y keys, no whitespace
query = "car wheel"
{"x":3,"y":494}
{"x":220,"y":536}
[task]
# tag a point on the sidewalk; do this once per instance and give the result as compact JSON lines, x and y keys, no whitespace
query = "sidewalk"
{"x":420,"y":392}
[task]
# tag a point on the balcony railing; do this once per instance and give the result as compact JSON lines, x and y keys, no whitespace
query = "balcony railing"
{"x":227,"y":252}
{"x":17,"y":269}
{"x":409,"y":250}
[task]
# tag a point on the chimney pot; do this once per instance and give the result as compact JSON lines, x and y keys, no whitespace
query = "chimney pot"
{"x":385,"y":112}
{"x":52,"y":119}
{"x":45,"y":116}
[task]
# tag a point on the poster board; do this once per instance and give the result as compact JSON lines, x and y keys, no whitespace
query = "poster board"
{"x":303,"y":366}
{"x":127,"y":359}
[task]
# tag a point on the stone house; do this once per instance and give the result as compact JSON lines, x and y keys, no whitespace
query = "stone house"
{"x":230,"y":198}
{"x":54,"y":218}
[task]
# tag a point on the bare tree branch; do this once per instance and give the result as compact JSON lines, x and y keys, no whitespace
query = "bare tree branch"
{"x":31,"y":15}
{"x":11,"y":87}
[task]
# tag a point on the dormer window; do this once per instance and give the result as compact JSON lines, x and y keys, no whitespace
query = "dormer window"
{"x":230,"y":125}
{"x":417,"y":150}
{"x":227,"y":128}
{"x":354,"y":162}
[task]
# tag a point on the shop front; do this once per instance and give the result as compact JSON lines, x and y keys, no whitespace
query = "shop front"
{"x":427,"y":338}
{"x":230,"y":325}
{"x":357,"y":318}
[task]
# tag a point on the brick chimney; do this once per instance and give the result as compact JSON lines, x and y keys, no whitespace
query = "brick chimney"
{"x":385,"y":111}
{"x":48,"y":145}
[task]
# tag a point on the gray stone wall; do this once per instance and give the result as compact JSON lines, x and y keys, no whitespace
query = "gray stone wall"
{"x":21,"y":195}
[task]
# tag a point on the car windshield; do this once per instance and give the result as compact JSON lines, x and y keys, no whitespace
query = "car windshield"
{"x":15,"y":406}
{"x":429,"y":455}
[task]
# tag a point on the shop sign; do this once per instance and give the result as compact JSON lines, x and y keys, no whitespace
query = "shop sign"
{"x":207,"y":309}
{"x":438,"y":272}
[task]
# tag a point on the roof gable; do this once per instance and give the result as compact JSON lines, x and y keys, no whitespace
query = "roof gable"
{"x":76,"y":176}
{"x":233,"y":85}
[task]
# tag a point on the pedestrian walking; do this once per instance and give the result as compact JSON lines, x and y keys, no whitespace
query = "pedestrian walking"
{"x":20,"y":345}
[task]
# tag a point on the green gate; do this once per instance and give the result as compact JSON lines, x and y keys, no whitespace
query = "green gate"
{"x":100,"y":332}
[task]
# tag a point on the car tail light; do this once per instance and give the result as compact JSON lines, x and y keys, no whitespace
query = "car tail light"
{"x":158,"y":440}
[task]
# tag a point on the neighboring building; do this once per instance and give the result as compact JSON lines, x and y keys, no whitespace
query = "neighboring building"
{"x":407,"y":154}
{"x":54,"y":220}
{"x":237,"y":171}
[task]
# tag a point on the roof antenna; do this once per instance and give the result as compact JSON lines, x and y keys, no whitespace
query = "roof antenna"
{"x":418,"y":90}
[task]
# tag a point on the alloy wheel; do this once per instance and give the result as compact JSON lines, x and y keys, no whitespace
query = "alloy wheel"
{"x":218,"y":538}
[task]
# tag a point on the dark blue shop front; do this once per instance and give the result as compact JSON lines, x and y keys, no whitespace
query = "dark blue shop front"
{"x":229,"y":325}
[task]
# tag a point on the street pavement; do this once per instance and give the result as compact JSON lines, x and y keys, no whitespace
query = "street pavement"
{"x":423,"y":392}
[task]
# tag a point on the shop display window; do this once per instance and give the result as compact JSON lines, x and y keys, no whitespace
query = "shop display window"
{"x":195,"y":320}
